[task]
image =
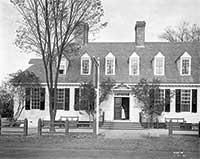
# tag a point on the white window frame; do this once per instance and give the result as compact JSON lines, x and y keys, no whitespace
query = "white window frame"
{"x":158,"y":57}
{"x":189,"y":67}
{"x":110,"y":57}
{"x":60,"y":98}
{"x":83,"y":58}
{"x":161,"y":97}
{"x":134,"y":57}
{"x":63,"y":66}
{"x":35,"y":100}
{"x":185,"y":99}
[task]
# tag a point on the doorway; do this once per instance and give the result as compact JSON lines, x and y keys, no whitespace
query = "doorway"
{"x":121,"y":108}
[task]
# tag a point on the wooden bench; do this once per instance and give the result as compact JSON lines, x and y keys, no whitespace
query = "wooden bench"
{"x":73,"y":120}
{"x":177,"y":122}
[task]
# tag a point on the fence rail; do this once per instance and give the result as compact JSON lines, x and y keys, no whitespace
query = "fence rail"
{"x":174,"y":126}
{"x":19,"y":127}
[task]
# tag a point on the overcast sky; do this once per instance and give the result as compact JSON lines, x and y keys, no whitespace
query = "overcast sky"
{"x":121,"y":16}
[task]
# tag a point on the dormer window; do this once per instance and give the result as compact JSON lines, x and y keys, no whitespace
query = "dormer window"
{"x":63,"y":66}
{"x":110,"y":64}
{"x":185,"y":64}
{"x":159,"y":64}
{"x":85,"y":64}
{"x":134,"y":61}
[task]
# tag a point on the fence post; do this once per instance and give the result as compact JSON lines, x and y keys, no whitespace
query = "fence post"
{"x":0,"y":124}
{"x":39,"y":127}
{"x":199,"y":128}
{"x":103,"y":118}
{"x":94,"y":127}
{"x":67,"y":127}
{"x":25,"y":127}
{"x":170,"y":127}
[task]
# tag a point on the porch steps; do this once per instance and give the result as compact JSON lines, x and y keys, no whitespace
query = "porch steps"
{"x":122,"y":126}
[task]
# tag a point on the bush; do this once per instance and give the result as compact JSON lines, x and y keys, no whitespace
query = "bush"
{"x":6,"y":104}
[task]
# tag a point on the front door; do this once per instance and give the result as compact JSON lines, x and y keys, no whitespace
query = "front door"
{"x":117,"y":108}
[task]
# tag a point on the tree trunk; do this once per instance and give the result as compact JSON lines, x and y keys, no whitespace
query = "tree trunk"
{"x":51,"y":111}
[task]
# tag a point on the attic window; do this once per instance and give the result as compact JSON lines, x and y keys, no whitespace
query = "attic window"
{"x":159,"y":64}
{"x":134,"y":64}
{"x":85,"y":64}
{"x":63,"y":67}
{"x":110,"y":64}
{"x":185,"y":64}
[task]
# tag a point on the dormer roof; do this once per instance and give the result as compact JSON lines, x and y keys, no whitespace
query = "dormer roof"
{"x":122,"y":51}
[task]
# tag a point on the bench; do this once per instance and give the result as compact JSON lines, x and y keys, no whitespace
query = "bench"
{"x":73,"y":120}
{"x":177,"y":122}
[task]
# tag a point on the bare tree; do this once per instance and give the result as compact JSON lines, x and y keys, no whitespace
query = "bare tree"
{"x":49,"y":28}
{"x":184,"y":32}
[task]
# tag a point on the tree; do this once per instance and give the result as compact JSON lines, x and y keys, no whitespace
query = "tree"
{"x":184,"y":32}
{"x":16,"y":85}
{"x":6,"y":103}
{"x":147,"y":93}
{"x":88,"y":95}
{"x":49,"y":28}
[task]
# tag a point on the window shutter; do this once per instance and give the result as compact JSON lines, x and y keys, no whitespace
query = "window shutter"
{"x":67,"y":93}
{"x":76,"y":99}
{"x":194,"y":101}
{"x":27,"y":98}
{"x":42,"y":99}
{"x":167,"y":100}
{"x":151,"y":95}
{"x":178,"y":100}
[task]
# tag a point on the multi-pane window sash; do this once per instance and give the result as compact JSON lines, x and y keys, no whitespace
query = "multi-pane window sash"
{"x":159,"y":97}
{"x":35,"y":100}
{"x":60,"y":98}
{"x":110,"y":66}
{"x":85,"y":66}
{"x":159,"y":66}
{"x":185,"y":100}
{"x":134,"y":66}
{"x":185,"y":66}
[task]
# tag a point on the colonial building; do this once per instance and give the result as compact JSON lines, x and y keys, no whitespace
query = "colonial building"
{"x":176,"y":65}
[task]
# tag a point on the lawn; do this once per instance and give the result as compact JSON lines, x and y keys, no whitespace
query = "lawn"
{"x":85,"y":146}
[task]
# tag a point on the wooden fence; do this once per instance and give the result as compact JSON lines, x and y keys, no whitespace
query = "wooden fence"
{"x":19,"y":127}
{"x":176,"y":126}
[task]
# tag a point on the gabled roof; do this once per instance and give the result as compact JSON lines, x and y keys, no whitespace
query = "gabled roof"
{"x":122,"y":52}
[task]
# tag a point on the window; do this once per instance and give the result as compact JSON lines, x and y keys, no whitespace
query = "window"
{"x":110,"y":64}
{"x":61,"y":69}
{"x":85,"y":64}
{"x":159,"y":67}
{"x":60,"y":99}
{"x":185,"y":100}
{"x":63,"y":66}
{"x":134,"y":64}
{"x":35,"y":98}
{"x":185,"y":64}
{"x":159,"y":97}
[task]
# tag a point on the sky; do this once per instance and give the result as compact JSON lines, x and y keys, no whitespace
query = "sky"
{"x":121,"y":16}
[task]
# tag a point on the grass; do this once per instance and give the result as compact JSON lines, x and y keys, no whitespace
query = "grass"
{"x":84,"y":142}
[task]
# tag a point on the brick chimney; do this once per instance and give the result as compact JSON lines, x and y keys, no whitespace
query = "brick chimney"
{"x":140,"y":33}
{"x":81,"y":33}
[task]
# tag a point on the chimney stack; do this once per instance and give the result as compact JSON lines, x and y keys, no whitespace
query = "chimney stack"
{"x":140,"y":33}
{"x":81,"y":33}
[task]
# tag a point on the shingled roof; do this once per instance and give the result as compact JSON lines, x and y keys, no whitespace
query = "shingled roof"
{"x":122,"y":52}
